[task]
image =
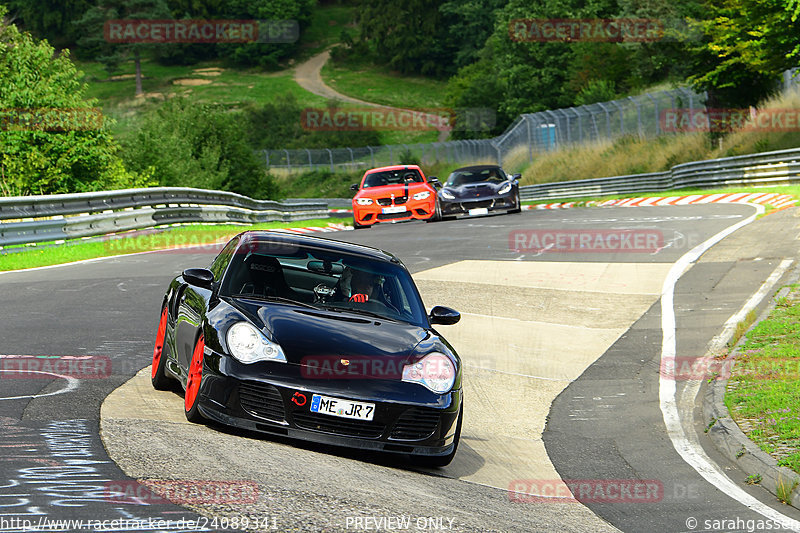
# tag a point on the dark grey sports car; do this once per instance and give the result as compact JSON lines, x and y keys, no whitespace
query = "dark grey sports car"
{"x":479,"y":190}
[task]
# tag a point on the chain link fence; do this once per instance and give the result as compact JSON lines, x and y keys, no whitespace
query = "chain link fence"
{"x":642,"y":116}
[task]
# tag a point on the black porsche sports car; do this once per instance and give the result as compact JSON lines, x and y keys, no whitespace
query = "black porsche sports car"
{"x":313,"y":339}
{"x":479,"y":190}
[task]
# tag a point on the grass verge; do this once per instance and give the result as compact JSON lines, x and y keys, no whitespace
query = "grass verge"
{"x":382,"y":86}
{"x":763,"y":393}
{"x":206,"y":236}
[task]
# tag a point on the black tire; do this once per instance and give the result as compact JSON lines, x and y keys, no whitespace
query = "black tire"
{"x":518,"y":203}
{"x":158,"y":375}
{"x":438,"y":461}
{"x":356,"y":225}
{"x":437,"y":213}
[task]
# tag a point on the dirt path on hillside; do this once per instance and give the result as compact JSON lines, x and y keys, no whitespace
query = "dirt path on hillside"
{"x":308,"y":76}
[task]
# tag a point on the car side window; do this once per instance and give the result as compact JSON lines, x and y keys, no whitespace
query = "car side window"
{"x":222,"y":260}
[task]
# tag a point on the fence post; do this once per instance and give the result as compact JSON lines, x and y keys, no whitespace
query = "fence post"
{"x":371,"y":156}
{"x":530,"y":139}
{"x":608,"y":119}
{"x":310,"y":163}
{"x":330,"y":154}
{"x":288,"y":162}
{"x":580,"y":124}
{"x":352,"y":157}
{"x":658,"y":118}
{"x":638,"y":115}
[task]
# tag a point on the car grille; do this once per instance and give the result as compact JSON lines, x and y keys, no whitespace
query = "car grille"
{"x":400,"y":200}
{"x":262,"y":400}
{"x":416,"y":424}
{"x":338,"y":426}
{"x":478,"y":204}
{"x":389,"y":216}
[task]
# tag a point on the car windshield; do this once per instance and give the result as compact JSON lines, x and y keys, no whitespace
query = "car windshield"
{"x":464,"y":177}
{"x":324,"y":279}
{"x":392,"y":177}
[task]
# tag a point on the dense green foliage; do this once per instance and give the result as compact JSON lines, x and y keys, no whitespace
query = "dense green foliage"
{"x":735,"y":50}
{"x":746,"y":44}
{"x":279,"y":125}
{"x":186,"y":144}
{"x":68,"y":152}
{"x":79,"y":24}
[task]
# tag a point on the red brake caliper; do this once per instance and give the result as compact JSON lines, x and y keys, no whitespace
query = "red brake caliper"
{"x":160,"y":338}
{"x":195,"y":374}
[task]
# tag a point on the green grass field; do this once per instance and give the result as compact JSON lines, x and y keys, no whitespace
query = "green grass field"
{"x":379,"y":85}
{"x":763,"y":393}
{"x":201,"y":235}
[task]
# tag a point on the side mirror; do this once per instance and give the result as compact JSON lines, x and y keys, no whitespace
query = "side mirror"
{"x":433,"y":180}
{"x":444,"y":315}
{"x":516,"y":177}
{"x":199,"y":277}
{"x":354,"y":187}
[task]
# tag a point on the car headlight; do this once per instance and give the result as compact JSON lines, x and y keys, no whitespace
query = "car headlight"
{"x":364,"y":201}
{"x":421,"y":195}
{"x":435,"y":371}
{"x":504,"y":189}
{"x":447,"y":194}
{"x":249,"y":345}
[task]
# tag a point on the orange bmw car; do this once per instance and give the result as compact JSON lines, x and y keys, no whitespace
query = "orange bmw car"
{"x":399,"y":192}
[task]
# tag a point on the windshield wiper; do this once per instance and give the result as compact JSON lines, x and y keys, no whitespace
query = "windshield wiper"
{"x":274,"y":299}
{"x":360,"y":312}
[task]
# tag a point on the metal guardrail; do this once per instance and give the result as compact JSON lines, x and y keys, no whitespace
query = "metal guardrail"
{"x":769,"y":168}
{"x":34,"y":219}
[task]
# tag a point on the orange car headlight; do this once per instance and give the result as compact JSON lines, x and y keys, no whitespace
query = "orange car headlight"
{"x":364,"y":201}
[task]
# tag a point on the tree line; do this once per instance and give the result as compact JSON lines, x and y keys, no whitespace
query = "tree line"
{"x":734,"y":49}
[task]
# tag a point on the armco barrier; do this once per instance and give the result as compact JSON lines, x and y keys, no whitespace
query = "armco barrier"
{"x":33,"y":219}
{"x":765,"y":169}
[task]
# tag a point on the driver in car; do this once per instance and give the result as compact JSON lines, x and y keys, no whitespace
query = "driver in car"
{"x":362,"y":286}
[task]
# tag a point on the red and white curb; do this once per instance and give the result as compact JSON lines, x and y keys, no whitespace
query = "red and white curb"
{"x":778,"y":201}
{"x":314,"y":229}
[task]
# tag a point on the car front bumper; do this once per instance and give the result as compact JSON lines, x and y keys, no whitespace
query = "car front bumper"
{"x":460,"y":206}
{"x":408,"y":418}
{"x":414,"y":209}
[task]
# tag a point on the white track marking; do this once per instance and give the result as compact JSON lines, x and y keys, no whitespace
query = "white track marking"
{"x":690,"y":451}
{"x":72,"y":384}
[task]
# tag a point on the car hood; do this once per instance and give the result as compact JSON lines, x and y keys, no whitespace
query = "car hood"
{"x":305,"y":333}
{"x":386,"y":191}
{"x":472,"y":190}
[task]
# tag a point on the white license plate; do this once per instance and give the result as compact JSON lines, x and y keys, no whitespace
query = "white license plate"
{"x":342,"y":408}
{"x":478,"y":211}
{"x":394,"y":209}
